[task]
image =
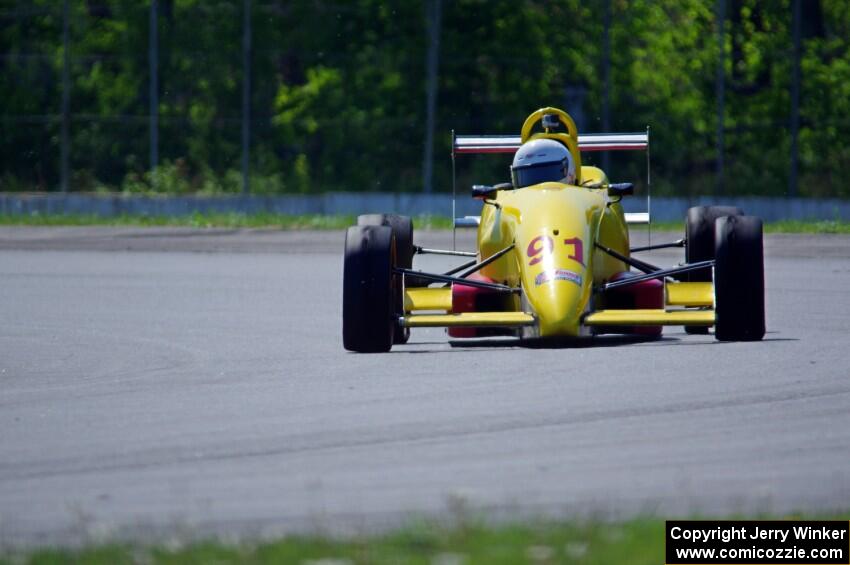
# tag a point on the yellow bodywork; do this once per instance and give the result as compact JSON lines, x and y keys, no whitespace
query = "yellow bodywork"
{"x":554,"y":228}
{"x":427,"y":299}
{"x":469,"y":319}
{"x":689,"y":294}
{"x":650,"y":318}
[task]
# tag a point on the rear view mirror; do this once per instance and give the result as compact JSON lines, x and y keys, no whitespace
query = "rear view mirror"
{"x":621,"y":189}
{"x":488,"y":191}
{"x":482,"y":191}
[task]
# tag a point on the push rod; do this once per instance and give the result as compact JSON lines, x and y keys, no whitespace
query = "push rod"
{"x":455,"y":280}
{"x":424,"y":251}
{"x":664,"y":273}
{"x":485,"y":262}
{"x":677,"y":243}
{"x":461,"y":267}
{"x":639,"y":265}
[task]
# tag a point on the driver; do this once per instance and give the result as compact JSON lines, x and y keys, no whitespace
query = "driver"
{"x":542,"y":160}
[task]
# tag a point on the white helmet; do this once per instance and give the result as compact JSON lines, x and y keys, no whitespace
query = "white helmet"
{"x":542,"y":160}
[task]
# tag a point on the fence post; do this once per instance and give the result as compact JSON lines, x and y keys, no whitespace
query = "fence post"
{"x":246,"y":97}
{"x":795,"y":104}
{"x":720,"y":86}
{"x":66,"y":99}
{"x":434,"y":23}
{"x":153,"y":59}
{"x":606,"y":80}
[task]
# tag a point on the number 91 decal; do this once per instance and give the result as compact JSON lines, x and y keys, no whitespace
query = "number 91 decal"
{"x":542,"y":246}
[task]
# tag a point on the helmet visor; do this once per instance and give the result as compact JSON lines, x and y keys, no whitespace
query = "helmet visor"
{"x":535,"y":174}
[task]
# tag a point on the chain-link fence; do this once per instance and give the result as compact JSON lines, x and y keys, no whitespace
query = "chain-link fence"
{"x":302,"y":96}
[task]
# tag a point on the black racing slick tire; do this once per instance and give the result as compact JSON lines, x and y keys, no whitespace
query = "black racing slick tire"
{"x":699,"y":236}
{"x":368,"y":289}
{"x":699,"y":243}
{"x":739,"y":279}
{"x":402,"y":227}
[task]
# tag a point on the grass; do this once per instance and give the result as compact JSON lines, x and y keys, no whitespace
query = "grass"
{"x":212,"y":220}
{"x":637,"y":541}
{"x":333,"y":222}
{"x":785,"y":226}
{"x":796,"y":226}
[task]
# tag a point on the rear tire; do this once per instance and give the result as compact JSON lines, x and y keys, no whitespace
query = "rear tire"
{"x":739,"y":279}
{"x":368,"y":289}
{"x":699,"y":238}
{"x":402,"y":227}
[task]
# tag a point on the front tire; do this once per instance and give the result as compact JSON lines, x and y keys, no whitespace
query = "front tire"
{"x":402,"y":227}
{"x":739,"y":279}
{"x":368,"y":289}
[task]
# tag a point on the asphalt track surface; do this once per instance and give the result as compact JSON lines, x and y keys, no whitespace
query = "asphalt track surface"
{"x":155,"y":381}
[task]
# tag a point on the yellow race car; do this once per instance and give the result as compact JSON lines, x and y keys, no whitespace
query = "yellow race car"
{"x":553,"y":257}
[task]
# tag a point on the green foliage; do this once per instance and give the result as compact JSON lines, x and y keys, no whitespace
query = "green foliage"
{"x":338,"y":91}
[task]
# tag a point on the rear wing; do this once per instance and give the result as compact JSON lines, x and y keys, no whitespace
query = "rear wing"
{"x":478,"y":144}
{"x":586,"y":142}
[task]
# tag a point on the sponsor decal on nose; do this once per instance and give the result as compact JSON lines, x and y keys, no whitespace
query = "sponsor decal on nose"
{"x":557,"y":275}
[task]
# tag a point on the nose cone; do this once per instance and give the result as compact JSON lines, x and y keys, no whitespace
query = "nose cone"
{"x":558,"y":295}
{"x":555,"y":246}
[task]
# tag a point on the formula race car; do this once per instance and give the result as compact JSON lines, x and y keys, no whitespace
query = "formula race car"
{"x":553,"y":257}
